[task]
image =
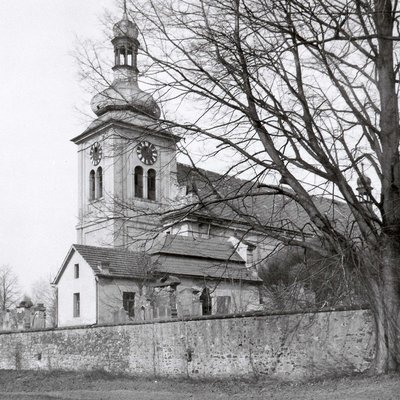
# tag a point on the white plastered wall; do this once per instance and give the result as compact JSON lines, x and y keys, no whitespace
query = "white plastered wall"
{"x":110,"y":292}
{"x":85,"y":285}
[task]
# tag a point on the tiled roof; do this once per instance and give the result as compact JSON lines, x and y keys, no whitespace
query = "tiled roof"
{"x":213,"y":258}
{"x":122,"y":263}
{"x":214,"y":248}
{"x":273,"y":210}
{"x":206,"y":268}
{"x":169,"y":256}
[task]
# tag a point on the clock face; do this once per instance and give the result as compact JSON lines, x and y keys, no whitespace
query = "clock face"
{"x":95,"y":153}
{"x":147,"y":153}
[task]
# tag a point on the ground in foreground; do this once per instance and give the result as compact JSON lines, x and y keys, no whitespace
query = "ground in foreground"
{"x":36,"y":385}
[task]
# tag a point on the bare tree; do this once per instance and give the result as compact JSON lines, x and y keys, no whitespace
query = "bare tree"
{"x":303,"y":91}
{"x":42,"y":292}
{"x":295,"y":278}
{"x":9,"y":288}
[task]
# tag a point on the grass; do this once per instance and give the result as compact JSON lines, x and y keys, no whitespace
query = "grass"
{"x":23,"y":385}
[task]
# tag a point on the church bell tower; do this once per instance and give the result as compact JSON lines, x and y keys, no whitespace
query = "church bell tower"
{"x":127,"y":156}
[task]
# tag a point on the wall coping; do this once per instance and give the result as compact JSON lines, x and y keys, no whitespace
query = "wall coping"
{"x":247,"y":314}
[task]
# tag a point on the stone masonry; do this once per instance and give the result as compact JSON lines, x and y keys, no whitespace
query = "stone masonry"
{"x":287,"y":346}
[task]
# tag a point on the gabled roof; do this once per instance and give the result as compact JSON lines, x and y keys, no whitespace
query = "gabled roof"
{"x":176,"y":255}
{"x":274,"y":211}
{"x":122,"y":263}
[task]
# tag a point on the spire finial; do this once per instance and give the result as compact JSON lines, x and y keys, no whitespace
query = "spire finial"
{"x":125,"y":7}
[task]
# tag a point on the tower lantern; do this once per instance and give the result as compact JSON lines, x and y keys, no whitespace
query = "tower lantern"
{"x":124,"y":93}
{"x":126,"y":45}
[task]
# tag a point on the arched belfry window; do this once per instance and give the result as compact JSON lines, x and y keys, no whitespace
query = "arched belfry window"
{"x":138,"y":182}
{"x":92,"y":185}
{"x":99,"y":182}
{"x":151,"y":184}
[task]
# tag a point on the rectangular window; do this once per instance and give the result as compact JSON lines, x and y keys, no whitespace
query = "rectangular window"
{"x":76,"y":271}
{"x":128,"y":302}
{"x":223,"y":304}
{"x":77,"y":305}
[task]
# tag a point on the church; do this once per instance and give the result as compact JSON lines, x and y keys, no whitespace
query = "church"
{"x":158,"y":239}
{"x":145,"y":248}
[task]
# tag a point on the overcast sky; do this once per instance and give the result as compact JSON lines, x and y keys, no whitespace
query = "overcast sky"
{"x":40,"y":94}
{"x":40,"y":101}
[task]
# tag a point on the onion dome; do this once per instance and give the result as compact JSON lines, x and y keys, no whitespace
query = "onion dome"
{"x":124,"y":92}
{"x":126,"y":28}
{"x":123,"y":95}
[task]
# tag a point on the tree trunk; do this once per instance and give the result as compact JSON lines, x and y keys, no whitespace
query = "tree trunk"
{"x":386,"y":306}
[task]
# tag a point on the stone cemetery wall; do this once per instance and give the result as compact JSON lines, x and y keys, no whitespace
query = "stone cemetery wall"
{"x":287,"y":346}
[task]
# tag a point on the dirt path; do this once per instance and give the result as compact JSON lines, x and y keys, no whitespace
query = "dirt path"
{"x":20,"y":385}
{"x":96,"y":395}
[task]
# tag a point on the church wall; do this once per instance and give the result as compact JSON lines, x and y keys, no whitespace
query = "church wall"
{"x":94,"y":211}
{"x":110,"y":292}
{"x":85,"y":285}
{"x":126,"y":159}
{"x":244,"y":296}
{"x":264,"y":245}
{"x":119,"y":146}
{"x":291,"y":346}
{"x":141,"y":236}
{"x":100,"y":234}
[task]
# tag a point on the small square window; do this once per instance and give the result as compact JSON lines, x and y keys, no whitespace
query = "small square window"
{"x":77,"y":305}
{"x":76,"y":271}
